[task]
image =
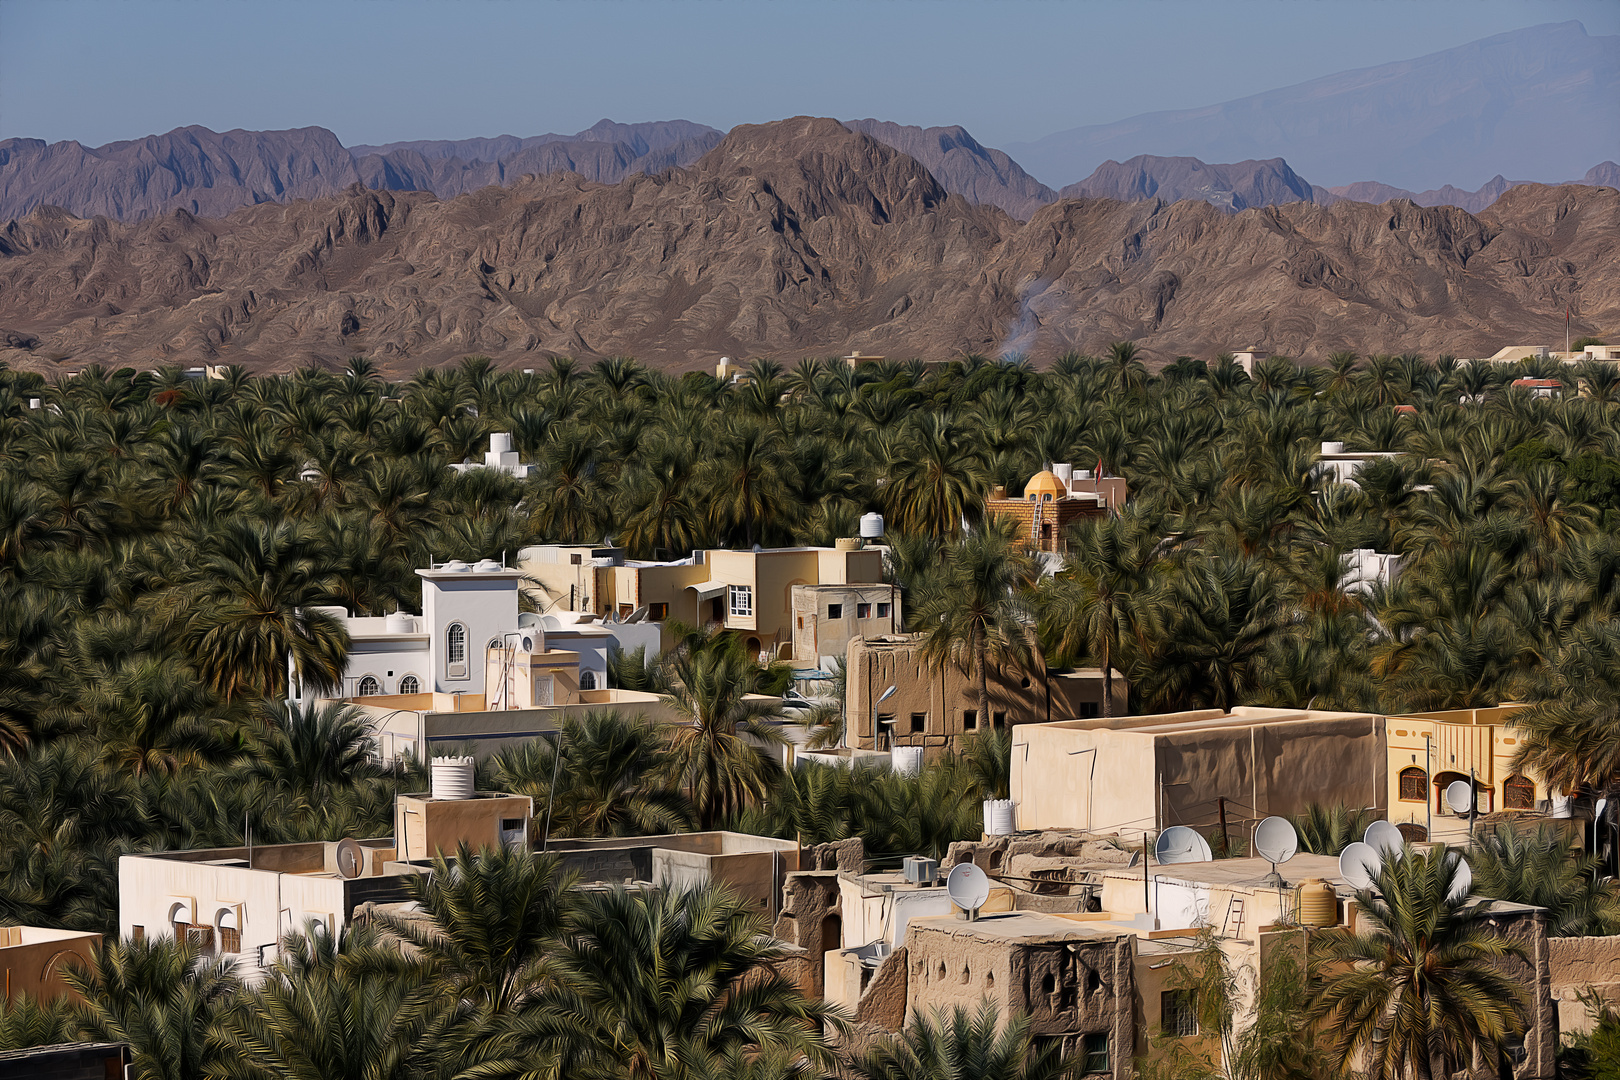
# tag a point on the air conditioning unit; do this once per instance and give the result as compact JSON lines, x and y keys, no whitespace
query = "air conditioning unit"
{"x":920,"y":870}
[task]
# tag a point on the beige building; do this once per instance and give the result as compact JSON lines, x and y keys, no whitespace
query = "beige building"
{"x":934,"y":707}
{"x":750,"y":592}
{"x":1143,"y":773}
{"x":754,"y":866}
{"x":1055,"y":499}
{"x":1428,"y":752}
{"x":33,"y":958}
{"x":239,"y":902}
{"x":826,"y":618}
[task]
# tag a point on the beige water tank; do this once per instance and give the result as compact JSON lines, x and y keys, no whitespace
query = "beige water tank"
{"x":1318,"y":903}
{"x":847,"y":543}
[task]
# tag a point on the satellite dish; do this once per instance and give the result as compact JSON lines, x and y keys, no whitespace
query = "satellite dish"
{"x":1385,"y":838}
{"x":1179,"y":844}
{"x":1462,"y":882}
{"x":1460,"y":796}
{"x":1275,"y":840}
{"x":968,"y":887}
{"x":349,"y":859}
{"x":1359,"y":864}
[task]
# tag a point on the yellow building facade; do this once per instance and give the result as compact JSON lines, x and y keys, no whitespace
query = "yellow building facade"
{"x":1428,"y":752}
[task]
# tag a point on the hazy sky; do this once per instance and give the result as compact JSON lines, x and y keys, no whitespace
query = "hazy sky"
{"x":374,"y":71}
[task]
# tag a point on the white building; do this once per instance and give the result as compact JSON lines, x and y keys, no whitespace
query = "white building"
{"x":500,"y":456}
{"x":1337,"y":466}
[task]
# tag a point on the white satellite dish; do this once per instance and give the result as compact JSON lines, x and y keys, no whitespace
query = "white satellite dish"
{"x":1462,"y":882}
{"x":348,"y":858}
{"x":968,"y":887}
{"x":1385,"y":838}
{"x":1275,"y":840}
{"x":1460,"y":796}
{"x":1359,"y":864}
{"x":1179,"y":844}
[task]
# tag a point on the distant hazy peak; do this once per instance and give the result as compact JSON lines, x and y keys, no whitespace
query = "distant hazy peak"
{"x":1235,"y":186}
{"x":963,"y":165}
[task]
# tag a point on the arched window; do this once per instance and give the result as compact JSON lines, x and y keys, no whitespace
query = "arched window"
{"x":494,"y":643}
{"x":1414,"y":785}
{"x":587,"y":680}
{"x":409,"y":685}
{"x":369,"y":685}
{"x":455,"y":644}
{"x":1519,"y":793}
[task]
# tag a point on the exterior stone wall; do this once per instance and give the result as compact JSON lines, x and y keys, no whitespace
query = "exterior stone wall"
{"x":1578,"y":964}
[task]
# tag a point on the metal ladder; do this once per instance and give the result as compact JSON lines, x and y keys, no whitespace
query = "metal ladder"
{"x":1234,"y":918}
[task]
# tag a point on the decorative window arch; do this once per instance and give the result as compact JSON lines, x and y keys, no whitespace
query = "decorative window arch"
{"x":587,"y":679}
{"x":229,"y":930}
{"x":1414,"y":784}
{"x":369,"y":686}
{"x":409,"y":685}
{"x":455,"y":644}
{"x":494,"y":643}
{"x":1412,"y":832}
{"x":1518,"y":793}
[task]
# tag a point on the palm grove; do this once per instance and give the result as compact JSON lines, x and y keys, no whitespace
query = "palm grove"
{"x":163,"y":541}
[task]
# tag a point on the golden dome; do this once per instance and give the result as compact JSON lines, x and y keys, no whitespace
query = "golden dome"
{"x":1044,"y":487}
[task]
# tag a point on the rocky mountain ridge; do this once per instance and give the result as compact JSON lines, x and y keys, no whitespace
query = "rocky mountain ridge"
{"x":791,"y":239}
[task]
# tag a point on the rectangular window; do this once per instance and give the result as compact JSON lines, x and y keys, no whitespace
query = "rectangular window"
{"x":230,"y":939}
{"x":883,"y":611}
{"x":1177,"y":1017}
{"x":742,"y":600}
{"x":998,"y":719}
{"x":137,"y":933}
{"x":1414,"y":785}
{"x":863,"y":611}
{"x":919,"y":723}
{"x":970,"y":719}
{"x":658,"y":612}
{"x":1094,"y":1053}
{"x":1090,"y":710}
{"x":835,"y":611}
{"x":576,"y":559}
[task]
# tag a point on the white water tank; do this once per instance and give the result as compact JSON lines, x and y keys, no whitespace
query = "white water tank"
{"x":871,"y":526}
{"x":399,"y":623}
{"x":500,"y":442}
{"x":453,"y":778}
{"x":998,"y":817}
{"x":1083,"y":474}
{"x":1064,"y":473}
{"x":487,"y":566}
{"x":456,"y":566}
{"x":905,"y":760}
{"x":1333,"y":448}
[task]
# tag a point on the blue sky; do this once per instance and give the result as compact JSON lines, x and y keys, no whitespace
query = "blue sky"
{"x":375,"y":71}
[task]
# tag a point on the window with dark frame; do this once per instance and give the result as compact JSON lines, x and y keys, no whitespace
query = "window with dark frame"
{"x":970,"y":719}
{"x":1519,"y":793}
{"x":657,"y":612}
{"x":1178,"y":1017}
{"x":230,"y":939}
{"x":883,"y":611}
{"x":998,"y":720}
{"x":1094,"y":1053}
{"x":1414,"y":784}
{"x":835,"y":611}
{"x":863,"y":611}
{"x":919,"y":723}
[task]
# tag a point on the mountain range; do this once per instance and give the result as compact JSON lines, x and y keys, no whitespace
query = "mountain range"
{"x":795,"y":238}
{"x":1543,"y":97}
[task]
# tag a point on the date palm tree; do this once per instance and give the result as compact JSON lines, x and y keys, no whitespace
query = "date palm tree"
{"x":1419,"y":988}
{"x":975,"y":608}
{"x":959,"y":1043}
{"x":717,"y":753}
{"x":657,"y":985}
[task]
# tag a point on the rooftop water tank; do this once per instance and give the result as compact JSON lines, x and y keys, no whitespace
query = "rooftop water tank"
{"x":1333,"y":448}
{"x":998,"y":817}
{"x":500,"y":442}
{"x":871,"y":526}
{"x":456,"y":566}
{"x":1064,"y":473}
{"x":453,"y":778}
{"x":399,"y":623}
{"x":1083,"y":474}
{"x":905,"y":760}
{"x":1318,"y":903}
{"x":487,"y":566}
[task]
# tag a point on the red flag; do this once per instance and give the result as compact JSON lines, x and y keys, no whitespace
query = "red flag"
{"x":1098,"y":473}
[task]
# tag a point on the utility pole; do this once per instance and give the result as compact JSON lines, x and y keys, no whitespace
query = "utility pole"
{"x":1220,"y":802}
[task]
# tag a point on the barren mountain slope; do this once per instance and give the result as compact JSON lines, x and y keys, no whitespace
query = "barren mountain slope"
{"x":790,"y":239}
{"x":1239,"y":185}
{"x":963,"y":165}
